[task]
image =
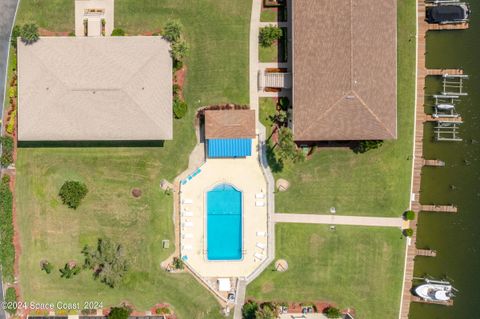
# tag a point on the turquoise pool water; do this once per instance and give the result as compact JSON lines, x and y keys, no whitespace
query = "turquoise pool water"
{"x":224,"y":223}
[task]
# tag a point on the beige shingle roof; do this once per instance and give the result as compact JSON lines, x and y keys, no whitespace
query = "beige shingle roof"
{"x":115,"y":88}
{"x":344,"y":70}
{"x":229,"y":124}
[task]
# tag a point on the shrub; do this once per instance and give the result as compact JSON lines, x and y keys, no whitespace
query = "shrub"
{"x":332,"y":312}
{"x":72,"y":192}
{"x":119,"y":312}
{"x":117,"y":32}
{"x":365,"y":146}
{"x":179,"y":108}
{"x":16,"y":32}
{"x":11,"y":300}
{"x":408,"y":232}
{"x":11,"y":123}
{"x":108,"y":260}
{"x":284,"y":103}
{"x":29,"y":33}
{"x":7,"y":250}
{"x":172,"y":31}
{"x":46,"y":266}
{"x":7,"y":155}
{"x":268,"y":35}
{"x":249,"y":309}
{"x":177,"y":65}
{"x":178,"y":263}
{"x":179,"y":50}
{"x":68,"y":271}
{"x":281,"y":117}
{"x":176,"y":90}
{"x":12,"y":92}
{"x":162,"y":311}
{"x":409,"y":215}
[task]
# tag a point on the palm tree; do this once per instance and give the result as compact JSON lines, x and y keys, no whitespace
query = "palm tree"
{"x":29,"y":33}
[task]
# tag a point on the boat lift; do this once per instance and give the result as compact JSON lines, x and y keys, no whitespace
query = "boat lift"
{"x":447,"y":131}
{"x":453,"y":84}
{"x":445,"y":106}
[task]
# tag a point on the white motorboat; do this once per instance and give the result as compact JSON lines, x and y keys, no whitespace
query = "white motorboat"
{"x":445,"y":107}
{"x":431,"y":290}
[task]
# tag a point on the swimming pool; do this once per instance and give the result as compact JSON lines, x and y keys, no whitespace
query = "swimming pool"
{"x":224,"y":223}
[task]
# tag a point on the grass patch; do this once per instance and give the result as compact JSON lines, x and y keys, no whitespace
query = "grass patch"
{"x":269,"y":15}
{"x":358,"y":267}
{"x":268,"y":54}
{"x":376,"y":183}
{"x":267,"y":111}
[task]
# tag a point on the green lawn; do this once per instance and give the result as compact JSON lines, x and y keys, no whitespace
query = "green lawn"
{"x":376,"y":183}
{"x":357,"y":267}
{"x":267,"y":110}
{"x":217,"y":72}
{"x":269,"y":15}
{"x":49,"y":230}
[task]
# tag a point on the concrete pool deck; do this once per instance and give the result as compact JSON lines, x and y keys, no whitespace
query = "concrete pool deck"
{"x":246,"y":175}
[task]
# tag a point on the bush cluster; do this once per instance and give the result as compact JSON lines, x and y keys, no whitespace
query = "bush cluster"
{"x":268,"y":35}
{"x":119,"y":312}
{"x":117,"y":32}
{"x":7,"y":155}
{"x":7,"y":249}
{"x":173,"y":33}
{"x":11,"y":123}
{"x":409,"y":215}
{"x":11,"y":301}
{"x":72,"y":192}
{"x":180,"y":108}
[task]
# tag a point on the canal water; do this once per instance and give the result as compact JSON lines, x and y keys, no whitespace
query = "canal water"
{"x":456,"y":237}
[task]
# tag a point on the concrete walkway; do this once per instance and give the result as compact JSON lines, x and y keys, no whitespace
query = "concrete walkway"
{"x":239,"y":298}
{"x":339,"y":220}
{"x":253,"y":53}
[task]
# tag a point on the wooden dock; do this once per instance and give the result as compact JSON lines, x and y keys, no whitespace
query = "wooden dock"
{"x":439,"y":208}
{"x":440,"y":72}
{"x":433,"y":163}
{"x":426,"y":253}
{"x":442,"y":303}
{"x":456,"y":26}
{"x":430,"y":118}
{"x":422,"y":73}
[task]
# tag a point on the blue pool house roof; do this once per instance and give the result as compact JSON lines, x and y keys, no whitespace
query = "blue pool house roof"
{"x":229,"y":133}
{"x":229,"y":147}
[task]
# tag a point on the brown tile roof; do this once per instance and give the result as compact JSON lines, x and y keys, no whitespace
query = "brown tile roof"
{"x":229,"y":124}
{"x":344,"y":70}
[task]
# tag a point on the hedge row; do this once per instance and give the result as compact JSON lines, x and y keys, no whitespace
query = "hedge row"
{"x":7,"y":249}
{"x":7,"y":150}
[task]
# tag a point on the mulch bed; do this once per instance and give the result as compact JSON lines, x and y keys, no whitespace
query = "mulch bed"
{"x":179,"y":79}
{"x":48,"y":33}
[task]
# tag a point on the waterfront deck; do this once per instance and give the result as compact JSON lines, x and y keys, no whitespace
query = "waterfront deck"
{"x":419,"y":161}
{"x":456,"y":26}
{"x":442,"y":303}
{"x":426,"y":252}
{"x":433,"y":163}
{"x":439,"y":208}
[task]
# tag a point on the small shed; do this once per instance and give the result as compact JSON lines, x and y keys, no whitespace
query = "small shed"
{"x":229,"y":133}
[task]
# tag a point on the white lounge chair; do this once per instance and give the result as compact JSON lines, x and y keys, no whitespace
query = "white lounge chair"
{"x":261,"y":245}
{"x":259,"y":195}
{"x":187,"y":201}
{"x":259,"y":203}
{"x":259,"y":256}
{"x":261,"y":234}
{"x":188,"y":224}
{"x":187,"y":213}
{"x":186,"y":247}
{"x":187,"y":235}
